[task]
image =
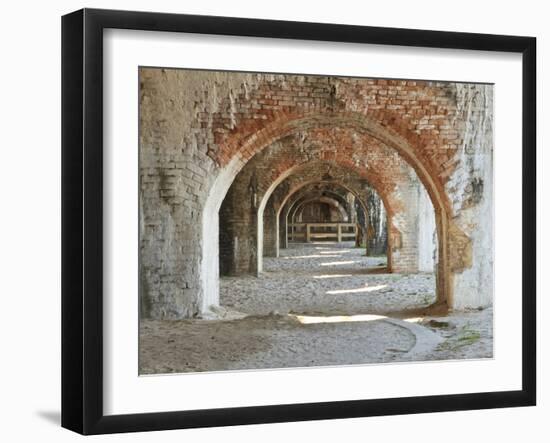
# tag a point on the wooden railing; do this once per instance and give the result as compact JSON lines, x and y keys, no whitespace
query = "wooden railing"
{"x":306,"y":232}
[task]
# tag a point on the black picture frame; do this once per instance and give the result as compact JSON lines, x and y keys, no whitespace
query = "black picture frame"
{"x":82,"y":218}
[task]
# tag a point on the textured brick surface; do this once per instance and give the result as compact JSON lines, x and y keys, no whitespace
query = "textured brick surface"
{"x":198,"y":131}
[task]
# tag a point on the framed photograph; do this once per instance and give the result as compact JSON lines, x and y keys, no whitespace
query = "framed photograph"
{"x":269,"y":221}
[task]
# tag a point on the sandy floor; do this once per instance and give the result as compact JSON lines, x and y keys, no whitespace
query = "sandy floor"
{"x":267,"y":342}
{"x":316,"y":305}
{"x":326,"y":279}
{"x":466,"y":335}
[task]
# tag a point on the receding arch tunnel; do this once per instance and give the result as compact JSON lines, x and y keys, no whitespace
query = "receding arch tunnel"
{"x":292,"y":200}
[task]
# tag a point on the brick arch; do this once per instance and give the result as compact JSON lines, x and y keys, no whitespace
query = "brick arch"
{"x":356,"y":152}
{"x":288,"y":125}
{"x":282,"y":207}
{"x":336,"y":200}
{"x":326,"y":192}
{"x":285,"y":212}
{"x":195,"y":136}
{"x":296,"y":190}
{"x":301,"y":197}
{"x":335,"y":204}
{"x":337,"y":165}
{"x":340,"y":164}
{"x":406,"y":142}
{"x":304,"y":184}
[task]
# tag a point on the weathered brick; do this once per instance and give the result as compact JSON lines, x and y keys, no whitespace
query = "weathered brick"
{"x":194,"y":124}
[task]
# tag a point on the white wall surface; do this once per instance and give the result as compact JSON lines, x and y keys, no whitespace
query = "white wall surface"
{"x":427,"y":238}
{"x":30,"y":220}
